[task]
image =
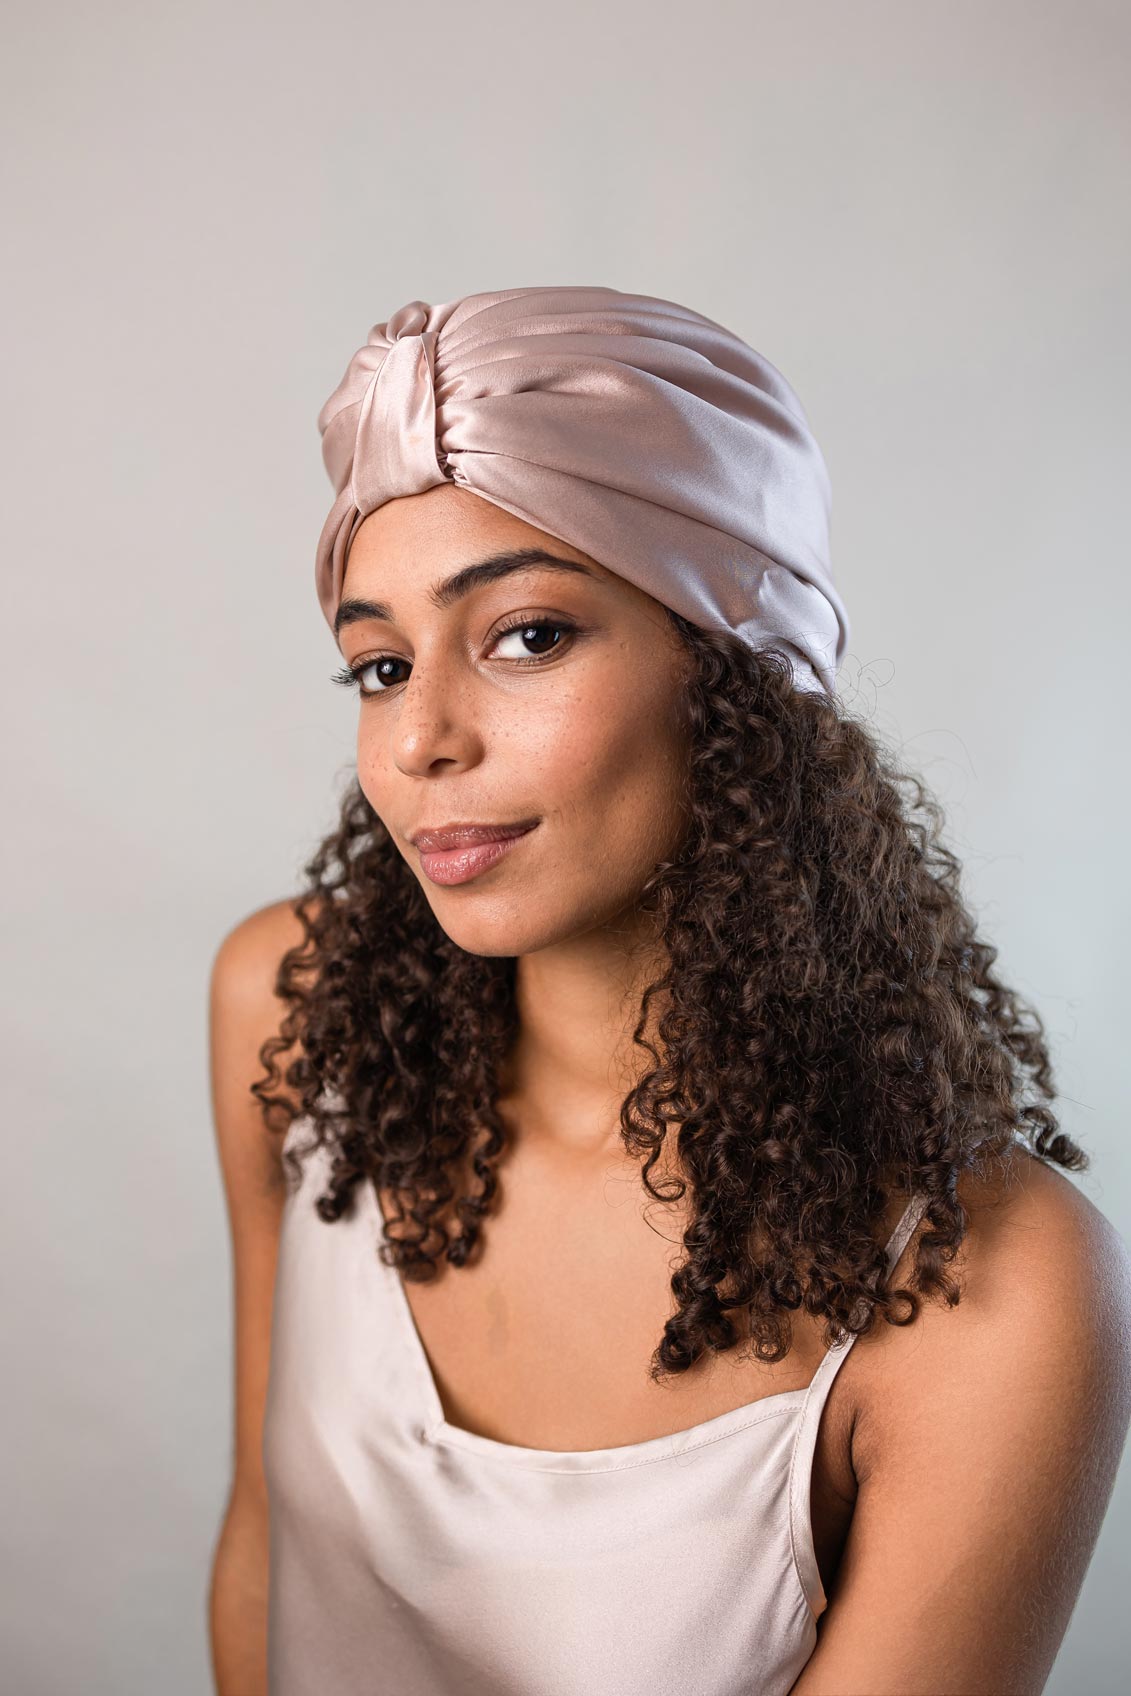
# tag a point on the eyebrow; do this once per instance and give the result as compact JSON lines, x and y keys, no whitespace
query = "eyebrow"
{"x":463,"y":582}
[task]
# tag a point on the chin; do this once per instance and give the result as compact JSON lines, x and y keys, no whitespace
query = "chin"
{"x":509,"y":923}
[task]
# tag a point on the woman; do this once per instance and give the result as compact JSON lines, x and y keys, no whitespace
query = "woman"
{"x":635,"y":1016}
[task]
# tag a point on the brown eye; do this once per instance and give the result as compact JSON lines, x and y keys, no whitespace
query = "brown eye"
{"x":534,"y":638}
{"x":351,"y":676}
{"x":382,"y":667}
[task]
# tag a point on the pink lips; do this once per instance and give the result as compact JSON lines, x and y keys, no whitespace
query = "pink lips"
{"x":467,"y":851}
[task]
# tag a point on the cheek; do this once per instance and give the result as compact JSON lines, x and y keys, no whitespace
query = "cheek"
{"x":616,"y":776}
{"x":377,"y":775}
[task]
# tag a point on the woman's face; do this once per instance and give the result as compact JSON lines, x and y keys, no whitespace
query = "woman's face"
{"x":501,"y":692}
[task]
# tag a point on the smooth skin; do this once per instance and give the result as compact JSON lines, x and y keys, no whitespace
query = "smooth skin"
{"x":966,"y":1461}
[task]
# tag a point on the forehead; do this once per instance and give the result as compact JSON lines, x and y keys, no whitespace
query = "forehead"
{"x":445,"y":527}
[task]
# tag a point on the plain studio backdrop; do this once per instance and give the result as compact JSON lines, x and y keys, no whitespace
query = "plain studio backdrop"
{"x":917,"y":212}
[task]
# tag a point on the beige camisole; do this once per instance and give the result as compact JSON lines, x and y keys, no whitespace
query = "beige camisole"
{"x":409,"y":1557}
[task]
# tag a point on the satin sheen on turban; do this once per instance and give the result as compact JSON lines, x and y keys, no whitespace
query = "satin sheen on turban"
{"x":640,"y":432}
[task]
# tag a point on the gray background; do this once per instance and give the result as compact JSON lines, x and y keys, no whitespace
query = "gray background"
{"x":916,"y":211}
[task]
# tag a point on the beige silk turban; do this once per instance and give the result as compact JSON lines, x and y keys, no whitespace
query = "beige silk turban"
{"x":645,"y":435}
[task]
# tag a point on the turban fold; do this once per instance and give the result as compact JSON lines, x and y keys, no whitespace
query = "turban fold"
{"x":640,"y":432}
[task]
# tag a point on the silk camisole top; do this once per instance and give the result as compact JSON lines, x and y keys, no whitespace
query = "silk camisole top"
{"x":409,"y":1557}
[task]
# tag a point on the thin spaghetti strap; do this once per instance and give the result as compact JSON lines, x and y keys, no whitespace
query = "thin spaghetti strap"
{"x":833,"y":1358}
{"x":903,"y":1232}
{"x":805,"y":1438}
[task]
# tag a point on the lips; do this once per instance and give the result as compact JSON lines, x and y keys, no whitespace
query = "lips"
{"x":468,"y":835}
{"x":462,"y":852}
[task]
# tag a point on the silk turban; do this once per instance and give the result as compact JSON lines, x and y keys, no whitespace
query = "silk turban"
{"x":645,"y":435}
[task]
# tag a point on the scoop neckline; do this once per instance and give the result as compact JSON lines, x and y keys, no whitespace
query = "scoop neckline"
{"x":438,"y":1429}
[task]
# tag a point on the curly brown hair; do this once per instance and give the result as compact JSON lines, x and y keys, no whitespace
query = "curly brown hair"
{"x":832,"y":1031}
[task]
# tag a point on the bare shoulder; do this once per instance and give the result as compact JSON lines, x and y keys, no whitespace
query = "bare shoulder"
{"x":246,"y":964}
{"x":1044,"y":1278}
{"x":987,"y":1442}
{"x":245,"y":1010}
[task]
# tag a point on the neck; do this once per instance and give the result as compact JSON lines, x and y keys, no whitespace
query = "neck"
{"x":574,"y":1061}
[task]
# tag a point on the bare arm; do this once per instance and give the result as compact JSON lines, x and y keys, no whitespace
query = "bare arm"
{"x":243,"y":1012}
{"x":986,"y":1466}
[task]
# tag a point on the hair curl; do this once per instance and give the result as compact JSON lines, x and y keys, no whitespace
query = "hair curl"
{"x":832,"y":1028}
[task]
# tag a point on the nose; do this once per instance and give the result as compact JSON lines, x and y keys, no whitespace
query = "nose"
{"x":434,"y":723}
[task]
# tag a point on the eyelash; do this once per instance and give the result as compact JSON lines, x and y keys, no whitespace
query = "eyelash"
{"x":350,"y":676}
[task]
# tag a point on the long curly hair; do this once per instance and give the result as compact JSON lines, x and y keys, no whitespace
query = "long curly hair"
{"x":830,"y":1029}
